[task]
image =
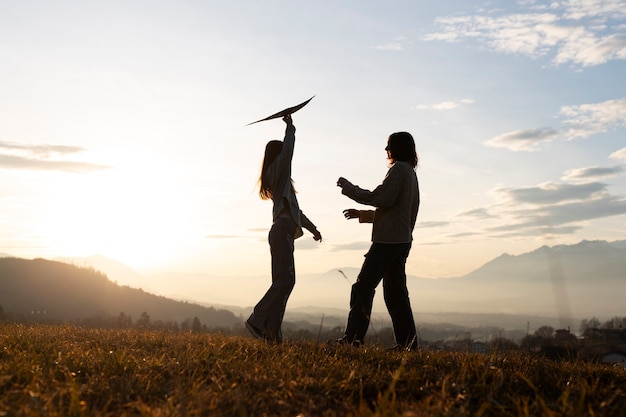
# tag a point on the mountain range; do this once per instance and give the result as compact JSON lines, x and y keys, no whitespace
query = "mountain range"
{"x":581,"y":280}
{"x":568,"y":282}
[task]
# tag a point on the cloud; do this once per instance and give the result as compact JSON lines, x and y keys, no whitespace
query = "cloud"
{"x":556,"y":215}
{"x":588,"y":119}
{"x":583,"y":33}
{"x":424,"y":225}
{"x":307,"y":243}
{"x":551,"y":193}
{"x":362,"y":246}
{"x":446,"y":105}
{"x":478,"y":213}
{"x":604,"y":9}
{"x":18,"y":162}
{"x":37,"y":158}
{"x":551,"y":209}
{"x":592,"y":173}
{"x":514,"y":231}
{"x":41,"y":150}
{"x":396,"y":45}
{"x":464,"y":234}
{"x":620,"y":155}
{"x":224,"y":236}
{"x":580,"y":121}
{"x":523,"y":140}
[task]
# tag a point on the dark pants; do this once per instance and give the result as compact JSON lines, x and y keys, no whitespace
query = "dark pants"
{"x":268,"y":313}
{"x":384,"y":262}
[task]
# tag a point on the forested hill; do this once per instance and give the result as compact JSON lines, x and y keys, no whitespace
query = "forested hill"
{"x":64,"y":292}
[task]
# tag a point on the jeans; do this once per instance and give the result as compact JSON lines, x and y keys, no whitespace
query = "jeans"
{"x":269,"y":312}
{"x":384,"y":262}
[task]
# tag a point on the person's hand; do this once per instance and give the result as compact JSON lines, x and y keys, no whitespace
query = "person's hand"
{"x":317,"y":235}
{"x":341,"y":182}
{"x":351,"y":214}
{"x":287,"y":119}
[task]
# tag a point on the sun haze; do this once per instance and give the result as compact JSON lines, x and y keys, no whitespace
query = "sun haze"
{"x":123,"y":129}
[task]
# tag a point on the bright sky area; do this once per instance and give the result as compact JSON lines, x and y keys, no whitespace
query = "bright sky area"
{"x":123,"y":126}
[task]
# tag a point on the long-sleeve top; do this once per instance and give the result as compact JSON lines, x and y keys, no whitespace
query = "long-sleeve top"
{"x":396,"y":200}
{"x":283,"y":195}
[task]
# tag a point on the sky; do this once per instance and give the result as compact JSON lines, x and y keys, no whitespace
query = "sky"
{"x":123,"y":127}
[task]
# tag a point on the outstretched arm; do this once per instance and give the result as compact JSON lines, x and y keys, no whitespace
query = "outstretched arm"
{"x":382,"y":196}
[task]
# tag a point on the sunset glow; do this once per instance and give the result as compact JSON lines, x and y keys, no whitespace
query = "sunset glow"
{"x":123,"y":129}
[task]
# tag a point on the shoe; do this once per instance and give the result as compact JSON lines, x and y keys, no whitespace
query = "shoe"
{"x":256,"y":332}
{"x":400,"y":348}
{"x":345,"y":341}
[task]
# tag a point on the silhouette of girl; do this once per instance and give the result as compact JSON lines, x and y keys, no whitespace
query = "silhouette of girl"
{"x":275,"y":183}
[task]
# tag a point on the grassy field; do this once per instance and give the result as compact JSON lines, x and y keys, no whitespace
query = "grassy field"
{"x":70,"y":371}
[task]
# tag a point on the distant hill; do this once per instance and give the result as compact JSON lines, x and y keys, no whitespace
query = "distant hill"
{"x":116,"y":271}
{"x":68,"y":292}
{"x":581,"y":281}
{"x":583,"y":262}
{"x":588,"y":278}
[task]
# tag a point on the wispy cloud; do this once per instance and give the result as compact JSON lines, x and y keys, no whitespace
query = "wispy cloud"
{"x":551,"y":208}
{"x":18,"y":162}
{"x":550,"y":193}
{"x":592,"y":173}
{"x":41,"y":158}
{"x":603,"y":9}
{"x":425,"y":225}
{"x":580,"y":121}
{"x":573,"y":214}
{"x":446,"y":105}
{"x":224,"y":236}
{"x":620,"y":155}
{"x":307,"y":242}
{"x":583,"y":33}
{"x":515,"y":231}
{"x":396,"y":45}
{"x":41,"y":150}
{"x":523,"y":139}
{"x":352,"y":246}
{"x":588,"y":119}
{"x":478,"y":213}
{"x":547,"y":209}
{"x":463,"y":235}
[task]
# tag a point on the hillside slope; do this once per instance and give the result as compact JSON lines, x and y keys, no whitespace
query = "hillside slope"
{"x":67,"y":292}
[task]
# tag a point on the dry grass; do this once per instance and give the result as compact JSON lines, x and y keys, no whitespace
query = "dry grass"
{"x":69,"y":371}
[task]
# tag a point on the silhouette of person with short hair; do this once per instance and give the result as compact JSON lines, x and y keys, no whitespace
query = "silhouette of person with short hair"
{"x":397,"y":202}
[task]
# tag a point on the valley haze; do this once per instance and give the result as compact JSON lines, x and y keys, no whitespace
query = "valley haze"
{"x":565,"y":282}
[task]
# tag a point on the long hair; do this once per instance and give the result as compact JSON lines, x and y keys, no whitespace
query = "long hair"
{"x":401,"y":147}
{"x":272,"y":150}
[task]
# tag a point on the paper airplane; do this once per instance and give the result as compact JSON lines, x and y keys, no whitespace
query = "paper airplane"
{"x":283,"y":113}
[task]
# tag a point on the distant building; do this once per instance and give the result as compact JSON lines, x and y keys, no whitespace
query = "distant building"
{"x":564,"y":335}
{"x":479,"y":347}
